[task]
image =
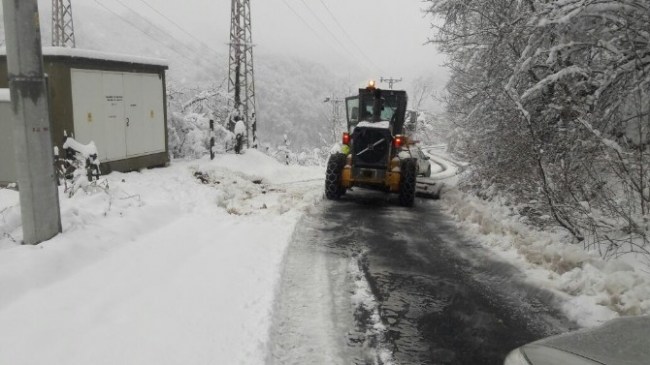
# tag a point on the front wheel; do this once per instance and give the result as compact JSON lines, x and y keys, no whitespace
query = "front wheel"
{"x":407,"y":183}
{"x":333,"y":174}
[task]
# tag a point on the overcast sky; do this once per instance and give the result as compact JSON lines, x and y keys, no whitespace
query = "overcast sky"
{"x":384,"y":37}
{"x":359,"y":39}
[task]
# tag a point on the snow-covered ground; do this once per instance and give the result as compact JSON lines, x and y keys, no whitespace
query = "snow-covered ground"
{"x":181,"y":264}
{"x":169,"y":266}
{"x":592,"y":290}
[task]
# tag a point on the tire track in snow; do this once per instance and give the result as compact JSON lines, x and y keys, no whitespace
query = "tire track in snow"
{"x":325,"y":311}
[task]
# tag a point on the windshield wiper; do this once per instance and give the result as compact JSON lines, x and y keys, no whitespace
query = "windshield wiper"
{"x":370,"y":147}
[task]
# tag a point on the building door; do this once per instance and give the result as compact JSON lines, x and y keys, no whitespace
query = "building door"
{"x":122,"y":112}
{"x":137,"y":135}
{"x":114,"y":115}
{"x":154,"y":112}
{"x":88,"y":110}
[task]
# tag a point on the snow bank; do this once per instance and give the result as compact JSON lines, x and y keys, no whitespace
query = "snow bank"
{"x":593,"y":290}
{"x":168,"y":266}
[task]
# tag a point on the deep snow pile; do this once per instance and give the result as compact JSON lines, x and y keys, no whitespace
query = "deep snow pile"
{"x":169,"y":266}
{"x":593,"y":290}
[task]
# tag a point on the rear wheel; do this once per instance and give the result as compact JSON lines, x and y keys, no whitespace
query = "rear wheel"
{"x":407,"y":183}
{"x":333,"y":188}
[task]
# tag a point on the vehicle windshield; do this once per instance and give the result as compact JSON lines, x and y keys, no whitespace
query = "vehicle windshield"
{"x":389,"y":107}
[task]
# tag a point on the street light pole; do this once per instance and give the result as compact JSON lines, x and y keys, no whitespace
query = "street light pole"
{"x":39,"y":199}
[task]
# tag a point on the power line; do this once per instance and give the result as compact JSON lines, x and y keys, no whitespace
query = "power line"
{"x":142,"y":31}
{"x":327,"y":29}
{"x":178,"y":26}
{"x":197,"y":53}
{"x":193,"y":61}
{"x":309,"y":26}
{"x":349,"y":36}
{"x":154,"y":25}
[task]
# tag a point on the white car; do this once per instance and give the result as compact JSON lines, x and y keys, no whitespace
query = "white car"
{"x":424,"y":165}
{"x":622,"y":341}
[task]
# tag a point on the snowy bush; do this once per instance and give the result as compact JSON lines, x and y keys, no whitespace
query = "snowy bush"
{"x":305,"y":157}
{"x":189,"y":122}
{"x":79,"y":167}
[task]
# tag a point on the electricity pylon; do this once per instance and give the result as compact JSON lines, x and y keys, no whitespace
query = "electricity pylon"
{"x":391,"y":81}
{"x":62,"y":24}
{"x":241,"y":85}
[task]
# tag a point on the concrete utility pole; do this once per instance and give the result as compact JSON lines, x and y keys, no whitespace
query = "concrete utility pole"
{"x":242,"y":79}
{"x":62,"y":24}
{"x":390,"y":81}
{"x":336,"y":114}
{"x":39,"y":198}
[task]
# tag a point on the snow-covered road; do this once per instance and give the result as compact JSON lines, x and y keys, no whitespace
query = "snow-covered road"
{"x":370,"y":282}
{"x":237,"y":261}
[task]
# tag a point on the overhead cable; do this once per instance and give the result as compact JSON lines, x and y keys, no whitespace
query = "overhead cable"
{"x":350,"y":38}
{"x":142,"y":31}
{"x":328,"y":30}
{"x":166,"y":33}
{"x":310,"y":27}
{"x":178,"y":26}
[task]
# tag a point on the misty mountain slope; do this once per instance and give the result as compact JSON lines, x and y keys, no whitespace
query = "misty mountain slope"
{"x":290,"y":91}
{"x":291,"y":94}
{"x":127,"y":33}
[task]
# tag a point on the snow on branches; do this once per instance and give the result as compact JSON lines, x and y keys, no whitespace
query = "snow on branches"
{"x":79,"y":167}
{"x":554,"y":101}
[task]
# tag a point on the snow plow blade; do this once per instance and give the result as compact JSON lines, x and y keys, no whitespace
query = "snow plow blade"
{"x":427,"y":188}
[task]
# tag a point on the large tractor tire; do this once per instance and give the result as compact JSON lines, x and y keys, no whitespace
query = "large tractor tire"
{"x":335,"y":165}
{"x":407,"y":182}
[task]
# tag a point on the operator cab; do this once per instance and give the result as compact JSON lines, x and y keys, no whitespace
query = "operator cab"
{"x":374,"y":105}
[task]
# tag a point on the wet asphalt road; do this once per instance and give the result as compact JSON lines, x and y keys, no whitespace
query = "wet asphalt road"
{"x":443,"y":298}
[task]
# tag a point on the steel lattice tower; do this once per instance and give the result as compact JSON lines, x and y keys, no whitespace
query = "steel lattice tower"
{"x":62,"y":24}
{"x":241,"y":84}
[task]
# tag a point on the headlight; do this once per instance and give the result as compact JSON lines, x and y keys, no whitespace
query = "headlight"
{"x":516,"y":357}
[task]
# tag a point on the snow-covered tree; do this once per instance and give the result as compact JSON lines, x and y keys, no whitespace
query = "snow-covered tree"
{"x":551,"y":99}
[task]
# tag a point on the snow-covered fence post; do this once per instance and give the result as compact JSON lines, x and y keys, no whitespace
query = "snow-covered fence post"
{"x":211,"y":139}
{"x":286,"y":148}
{"x":240,"y":133}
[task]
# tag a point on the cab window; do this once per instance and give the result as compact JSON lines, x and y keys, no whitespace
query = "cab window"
{"x":352,"y":106}
{"x":388,"y":109}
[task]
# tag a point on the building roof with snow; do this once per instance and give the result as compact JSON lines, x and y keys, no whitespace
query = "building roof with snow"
{"x":98,"y":56}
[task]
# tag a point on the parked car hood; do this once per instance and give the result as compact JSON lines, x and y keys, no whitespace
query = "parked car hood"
{"x":623,"y":341}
